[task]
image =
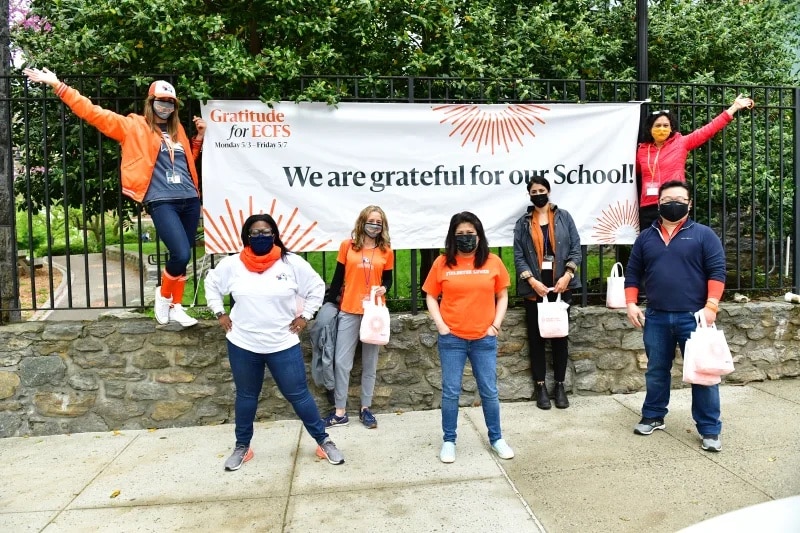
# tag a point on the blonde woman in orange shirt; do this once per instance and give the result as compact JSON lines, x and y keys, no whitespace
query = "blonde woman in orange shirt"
{"x":364,"y":261}
{"x":467,"y":297}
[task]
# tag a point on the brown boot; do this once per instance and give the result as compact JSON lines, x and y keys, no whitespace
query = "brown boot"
{"x":561,"y":396}
{"x":540,"y":394}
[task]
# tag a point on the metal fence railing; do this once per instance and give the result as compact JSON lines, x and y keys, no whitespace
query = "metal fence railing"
{"x":82,"y":245}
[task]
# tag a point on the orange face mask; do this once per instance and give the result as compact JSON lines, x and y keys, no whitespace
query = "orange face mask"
{"x":660,"y":134}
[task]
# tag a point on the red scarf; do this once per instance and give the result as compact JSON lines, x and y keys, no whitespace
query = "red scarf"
{"x":259,"y":263}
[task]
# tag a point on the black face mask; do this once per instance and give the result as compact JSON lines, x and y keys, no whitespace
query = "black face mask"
{"x":540,"y":200}
{"x":262,"y":244}
{"x":466,"y":243}
{"x":673,"y":211}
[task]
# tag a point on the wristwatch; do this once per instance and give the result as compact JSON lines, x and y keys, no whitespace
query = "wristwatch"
{"x":219,"y":314}
{"x":571,"y":274}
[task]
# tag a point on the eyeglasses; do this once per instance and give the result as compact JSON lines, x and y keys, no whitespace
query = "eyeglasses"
{"x":668,"y":199}
{"x":257,"y":232}
{"x":659,"y":112}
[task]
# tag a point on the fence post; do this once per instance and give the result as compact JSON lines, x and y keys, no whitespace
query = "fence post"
{"x":795,"y":203}
{"x":9,"y":280}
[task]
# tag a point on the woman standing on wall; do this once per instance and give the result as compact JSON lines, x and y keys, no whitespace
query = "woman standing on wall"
{"x":157,"y":170}
{"x":364,"y":261}
{"x":662,"y":155}
{"x":467,"y":297}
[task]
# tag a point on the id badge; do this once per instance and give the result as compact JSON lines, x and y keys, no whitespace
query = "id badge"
{"x":364,"y":301}
{"x":652,"y":189}
{"x":173,"y":178}
{"x":547,"y":262}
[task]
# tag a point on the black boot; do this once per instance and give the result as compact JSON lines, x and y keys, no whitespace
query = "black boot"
{"x":561,"y":396}
{"x":540,"y":393}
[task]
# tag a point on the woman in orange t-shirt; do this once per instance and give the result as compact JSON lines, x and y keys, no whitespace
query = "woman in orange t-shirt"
{"x":364,"y":261}
{"x":467,"y":296}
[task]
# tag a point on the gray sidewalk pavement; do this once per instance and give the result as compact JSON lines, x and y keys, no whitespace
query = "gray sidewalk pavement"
{"x":577,"y":470}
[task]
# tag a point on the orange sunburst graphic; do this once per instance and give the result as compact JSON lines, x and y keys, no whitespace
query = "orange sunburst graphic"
{"x":223,"y":232}
{"x":489,"y":127}
{"x":616,"y":223}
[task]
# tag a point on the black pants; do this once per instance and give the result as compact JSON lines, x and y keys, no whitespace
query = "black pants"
{"x":647,"y":215}
{"x":536,"y":342}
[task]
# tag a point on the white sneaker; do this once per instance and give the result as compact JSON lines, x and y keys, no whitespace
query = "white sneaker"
{"x":161,"y":307}
{"x":448,"y":453}
{"x":177,"y":314}
{"x":502,"y":449}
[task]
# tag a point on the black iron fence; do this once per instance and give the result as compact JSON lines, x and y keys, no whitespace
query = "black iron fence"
{"x":91,"y":247}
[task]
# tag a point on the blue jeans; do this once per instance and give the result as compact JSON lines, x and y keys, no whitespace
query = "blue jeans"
{"x":482,"y":354}
{"x":176,"y":224}
{"x":289,"y":371}
{"x":663,"y":330}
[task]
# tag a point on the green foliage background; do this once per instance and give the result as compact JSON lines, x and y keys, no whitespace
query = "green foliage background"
{"x":233,"y":47}
{"x":477,"y":50}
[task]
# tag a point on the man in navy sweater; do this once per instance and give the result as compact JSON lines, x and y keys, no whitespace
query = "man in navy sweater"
{"x":682,"y":263}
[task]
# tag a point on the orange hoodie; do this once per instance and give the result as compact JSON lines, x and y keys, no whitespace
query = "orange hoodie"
{"x":140,"y":145}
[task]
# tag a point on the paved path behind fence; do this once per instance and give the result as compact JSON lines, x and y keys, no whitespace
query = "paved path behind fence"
{"x":105,"y":289}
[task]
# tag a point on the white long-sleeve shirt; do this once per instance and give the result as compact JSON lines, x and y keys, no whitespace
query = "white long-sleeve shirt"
{"x":266,"y":302}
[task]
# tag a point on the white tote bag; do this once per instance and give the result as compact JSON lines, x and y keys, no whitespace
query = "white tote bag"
{"x":375,"y":326}
{"x":553,"y":318}
{"x":713,"y":355}
{"x":615,"y":288}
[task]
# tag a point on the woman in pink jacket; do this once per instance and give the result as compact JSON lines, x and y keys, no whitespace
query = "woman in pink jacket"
{"x":662,"y":155}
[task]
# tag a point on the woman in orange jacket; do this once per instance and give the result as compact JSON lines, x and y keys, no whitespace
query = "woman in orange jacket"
{"x":157,"y":170}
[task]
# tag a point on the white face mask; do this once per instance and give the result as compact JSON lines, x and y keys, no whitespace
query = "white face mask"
{"x":373,"y":230}
{"x":163,"y":110}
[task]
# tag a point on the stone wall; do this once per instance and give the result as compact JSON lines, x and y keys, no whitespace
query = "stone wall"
{"x":127,"y":372}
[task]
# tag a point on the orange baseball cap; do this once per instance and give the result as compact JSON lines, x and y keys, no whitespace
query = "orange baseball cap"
{"x":162,"y":89}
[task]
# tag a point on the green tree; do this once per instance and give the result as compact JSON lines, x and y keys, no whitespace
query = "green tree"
{"x":294,"y":49}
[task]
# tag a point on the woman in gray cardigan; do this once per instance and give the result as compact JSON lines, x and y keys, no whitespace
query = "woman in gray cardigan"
{"x":547,"y":252}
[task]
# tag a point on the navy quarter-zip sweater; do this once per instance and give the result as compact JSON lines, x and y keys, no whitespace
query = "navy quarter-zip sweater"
{"x":676,"y":274}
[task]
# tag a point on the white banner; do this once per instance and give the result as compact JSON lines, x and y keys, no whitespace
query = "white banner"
{"x":314,"y":167}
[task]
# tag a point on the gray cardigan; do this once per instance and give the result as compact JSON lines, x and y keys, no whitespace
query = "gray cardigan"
{"x":568,"y":250}
{"x":323,"y":344}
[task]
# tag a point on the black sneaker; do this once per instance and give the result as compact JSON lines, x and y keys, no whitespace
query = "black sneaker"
{"x":368,"y":419}
{"x":647,"y":425}
{"x":332,"y":420}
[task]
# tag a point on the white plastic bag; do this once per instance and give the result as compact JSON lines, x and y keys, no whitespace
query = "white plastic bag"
{"x":615,"y":288}
{"x":553,"y":318}
{"x":715,"y":358}
{"x":375,"y":324}
{"x":696,"y":352}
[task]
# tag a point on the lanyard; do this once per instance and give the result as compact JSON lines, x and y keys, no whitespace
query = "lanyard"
{"x":170,"y":147}
{"x":546,"y":236}
{"x":653,"y":168}
{"x":367,"y":272}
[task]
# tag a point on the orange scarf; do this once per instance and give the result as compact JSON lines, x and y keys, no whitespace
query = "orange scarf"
{"x":538,"y":236}
{"x":259,"y":263}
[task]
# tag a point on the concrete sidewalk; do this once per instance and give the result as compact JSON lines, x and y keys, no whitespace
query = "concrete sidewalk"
{"x":581,"y":469}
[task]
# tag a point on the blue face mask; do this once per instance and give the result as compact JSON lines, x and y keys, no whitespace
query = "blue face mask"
{"x":262,"y":244}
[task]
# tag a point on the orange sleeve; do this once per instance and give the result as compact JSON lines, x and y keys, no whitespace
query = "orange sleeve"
{"x":631,"y":295}
{"x":715,"y":289}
